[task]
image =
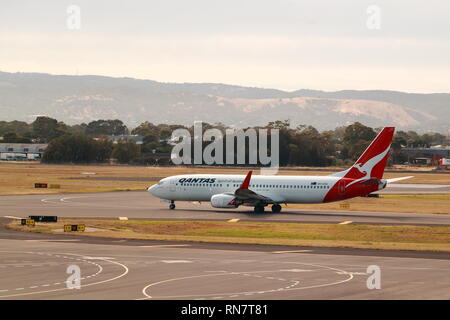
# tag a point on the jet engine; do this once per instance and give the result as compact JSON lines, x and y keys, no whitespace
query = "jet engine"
{"x":224,"y":200}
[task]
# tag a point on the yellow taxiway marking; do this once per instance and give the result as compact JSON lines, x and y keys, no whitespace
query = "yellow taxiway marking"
{"x":53,"y":240}
{"x":166,"y":245}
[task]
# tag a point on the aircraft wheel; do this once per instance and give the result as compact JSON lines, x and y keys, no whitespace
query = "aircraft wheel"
{"x":172,"y":206}
{"x":276,"y":208}
{"x":259,"y":209}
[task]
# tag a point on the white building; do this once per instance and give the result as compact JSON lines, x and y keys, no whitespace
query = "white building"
{"x":22,"y":151}
{"x":115,"y":139}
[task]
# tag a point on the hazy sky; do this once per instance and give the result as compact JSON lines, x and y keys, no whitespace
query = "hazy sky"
{"x":327,"y":45}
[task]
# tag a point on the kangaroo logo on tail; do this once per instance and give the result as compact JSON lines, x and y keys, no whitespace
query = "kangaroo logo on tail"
{"x":372,"y":162}
{"x":367,"y":167}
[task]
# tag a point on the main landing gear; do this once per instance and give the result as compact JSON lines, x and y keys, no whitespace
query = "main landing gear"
{"x":276,"y":208}
{"x":172,"y":205}
{"x":259,"y":209}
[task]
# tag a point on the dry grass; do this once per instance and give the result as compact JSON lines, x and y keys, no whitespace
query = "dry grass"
{"x":20,"y":178}
{"x":436,"y":238}
{"x":430,"y":203}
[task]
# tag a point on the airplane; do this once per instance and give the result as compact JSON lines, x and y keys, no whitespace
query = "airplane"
{"x":231,"y":191}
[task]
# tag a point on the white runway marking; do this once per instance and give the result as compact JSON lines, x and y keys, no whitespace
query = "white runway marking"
{"x":291,"y":251}
{"x":100,"y":269}
{"x":248,"y":293}
{"x":353,"y":273}
{"x":65,"y":288}
{"x":176,"y":261}
{"x":233,"y":220}
{"x":295,"y":270}
{"x":123,"y":218}
{"x":346,"y":222}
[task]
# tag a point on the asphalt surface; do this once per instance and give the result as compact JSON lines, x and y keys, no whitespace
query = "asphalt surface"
{"x":141,"y":205}
{"x":34,"y":266}
{"x":37,"y":269}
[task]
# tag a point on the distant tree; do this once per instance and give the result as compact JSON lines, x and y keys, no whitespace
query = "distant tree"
{"x":433,"y":139}
{"x":104,"y":148}
{"x":357,"y":131}
{"x":156,"y":138}
{"x":77,"y":129}
{"x":357,"y":138}
{"x":46,"y":129}
{"x":285,"y":138}
{"x":279,"y":124}
{"x":147,"y":129}
{"x":19,"y":127}
{"x":311,"y":147}
{"x":106,"y":127}
{"x":162,"y":147}
{"x":398,"y":142}
{"x":12,"y":137}
{"x":125,"y":151}
{"x":165,"y":130}
{"x":294,"y":154}
{"x":77,"y":148}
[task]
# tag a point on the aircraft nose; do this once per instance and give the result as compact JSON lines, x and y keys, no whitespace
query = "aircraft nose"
{"x":152,"y":189}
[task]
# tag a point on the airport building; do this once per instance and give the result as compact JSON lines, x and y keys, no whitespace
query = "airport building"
{"x":426,"y":155}
{"x":136,"y":138}
{"x":21,"y":151}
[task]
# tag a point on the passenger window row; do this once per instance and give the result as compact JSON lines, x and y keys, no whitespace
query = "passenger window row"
{"x":256,"y":186}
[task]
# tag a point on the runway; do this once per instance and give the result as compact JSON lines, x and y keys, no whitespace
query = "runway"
{"x":140,"y":205}
{"x":37,"y":269}
{"x":34,"y":266}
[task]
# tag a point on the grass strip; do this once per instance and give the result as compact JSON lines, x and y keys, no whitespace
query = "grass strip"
{"x":421,"y":238}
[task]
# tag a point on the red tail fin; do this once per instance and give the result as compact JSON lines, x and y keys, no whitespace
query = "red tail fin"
{"x":372,"y":162}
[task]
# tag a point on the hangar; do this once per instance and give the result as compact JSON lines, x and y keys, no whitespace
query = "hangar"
{"x":22,"y":151}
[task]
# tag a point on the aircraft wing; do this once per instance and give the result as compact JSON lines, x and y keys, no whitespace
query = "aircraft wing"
{"x":247,"y":196}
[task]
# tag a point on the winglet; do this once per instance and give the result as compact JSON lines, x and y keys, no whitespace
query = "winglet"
{"x":246,"y":182}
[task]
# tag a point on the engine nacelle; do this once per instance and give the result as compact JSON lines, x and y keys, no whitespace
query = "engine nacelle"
{"x":223,"y":200}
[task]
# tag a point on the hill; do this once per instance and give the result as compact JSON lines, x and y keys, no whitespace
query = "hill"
{"x":76,"y":99}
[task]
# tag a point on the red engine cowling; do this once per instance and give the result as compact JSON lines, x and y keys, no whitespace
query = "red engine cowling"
{"x":223,"y":200}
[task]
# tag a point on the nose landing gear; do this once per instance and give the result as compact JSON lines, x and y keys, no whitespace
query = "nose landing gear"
{"x":172,"y":205}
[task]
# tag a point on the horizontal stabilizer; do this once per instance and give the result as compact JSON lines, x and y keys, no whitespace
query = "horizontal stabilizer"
{"x":398,"y":179}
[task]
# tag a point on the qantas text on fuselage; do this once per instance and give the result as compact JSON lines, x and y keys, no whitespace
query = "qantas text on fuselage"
{"x":259,"y":191}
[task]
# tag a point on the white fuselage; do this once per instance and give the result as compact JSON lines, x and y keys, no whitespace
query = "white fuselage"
{"x":282,"y":189}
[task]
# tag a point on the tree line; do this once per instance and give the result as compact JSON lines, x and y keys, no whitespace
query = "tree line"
{"x":303,"y":145}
